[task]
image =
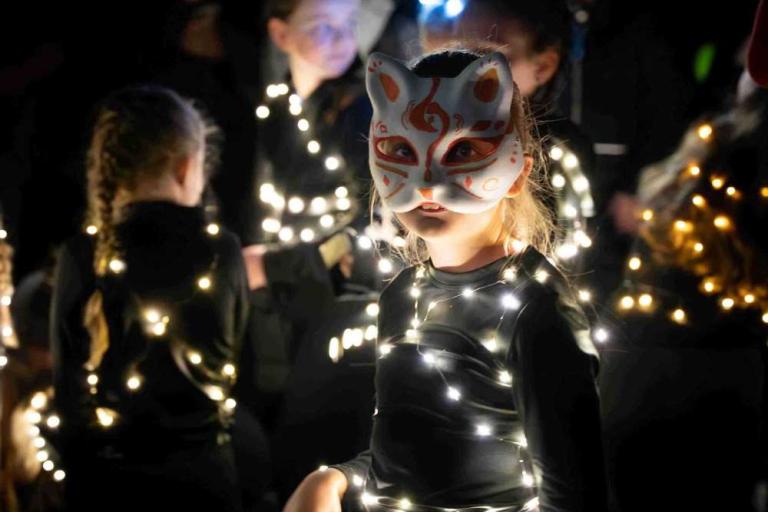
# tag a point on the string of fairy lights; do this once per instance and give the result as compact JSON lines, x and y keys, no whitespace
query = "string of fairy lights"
{"x":701,"y":222}
{"x":296,"y":218}
{"x":214,"y":382}
{"x":405,"y":504}
{"x":42,"y":420}
{"x":356,"y":336}
{"x":510,"y":300}
{"x":37,"y":419}
{"x":574,"y":201}
{"x":41,"y":424}
{"x":8,"y":338}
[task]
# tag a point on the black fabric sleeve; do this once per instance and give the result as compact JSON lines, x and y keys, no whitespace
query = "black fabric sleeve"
{"x":295,"y":264}
{"x":555,"y":392}
{"x":300,"y":287}
{"x":239,"y":283}
{"x":67,"y":335}
{"x":358,"y":466}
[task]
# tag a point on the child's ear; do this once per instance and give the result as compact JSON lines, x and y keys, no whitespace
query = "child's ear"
{"x":546,"y":63}
{"x":183,"y":170}
{"x":278,"y":33}
{"x":519,"y":183}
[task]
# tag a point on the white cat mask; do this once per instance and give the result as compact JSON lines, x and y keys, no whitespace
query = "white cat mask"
{"x":427,"y":119}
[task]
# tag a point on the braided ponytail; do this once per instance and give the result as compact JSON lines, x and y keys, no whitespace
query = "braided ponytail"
{"x":103,"y":184}
{"x":140,"y":132}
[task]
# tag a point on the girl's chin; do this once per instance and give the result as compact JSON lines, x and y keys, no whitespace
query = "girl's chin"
{"x":334,"y":67}
{"x":427,"y":226}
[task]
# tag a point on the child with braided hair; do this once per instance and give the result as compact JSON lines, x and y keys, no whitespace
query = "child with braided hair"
{"x":147,"y":316}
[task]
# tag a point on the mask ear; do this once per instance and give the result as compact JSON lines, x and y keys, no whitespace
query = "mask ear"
{"x":387,"y":81}
{"x":487,"y":85}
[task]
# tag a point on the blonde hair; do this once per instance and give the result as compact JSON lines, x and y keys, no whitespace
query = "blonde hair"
{"x":140,"y":132}
{"x":526,"y":217}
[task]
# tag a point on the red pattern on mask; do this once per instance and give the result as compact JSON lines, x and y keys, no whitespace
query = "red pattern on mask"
{"x":480,"y":126}
{"x":422,"y":118}
{"x":391,"y":88}
{"x":487,"y":87}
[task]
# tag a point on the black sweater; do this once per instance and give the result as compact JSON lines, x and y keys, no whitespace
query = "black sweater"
{"x":462,"y":421}
{"x":166,"y":249}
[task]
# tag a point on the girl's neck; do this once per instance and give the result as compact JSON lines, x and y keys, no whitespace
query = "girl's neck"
{"x":304,"y":81}
{"x":150,"y":193}
{"x":465,"y":257}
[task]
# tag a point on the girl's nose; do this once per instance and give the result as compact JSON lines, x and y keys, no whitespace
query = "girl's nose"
{"x":426,"y":193}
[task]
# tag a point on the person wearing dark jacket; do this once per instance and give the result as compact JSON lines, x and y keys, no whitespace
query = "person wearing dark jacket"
{"x":310,"y":153}
{"x":147,"y":317}
{"x":695,"y":312}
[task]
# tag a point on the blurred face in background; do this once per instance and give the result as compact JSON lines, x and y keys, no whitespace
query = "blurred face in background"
{"x":319,"y":37}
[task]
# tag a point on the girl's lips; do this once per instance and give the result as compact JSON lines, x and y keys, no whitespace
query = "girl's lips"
{"x":430,"y":207}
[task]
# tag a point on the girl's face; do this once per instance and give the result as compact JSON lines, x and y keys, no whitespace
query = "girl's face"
{"x":447,"y":141}
{"x":319,"y":37}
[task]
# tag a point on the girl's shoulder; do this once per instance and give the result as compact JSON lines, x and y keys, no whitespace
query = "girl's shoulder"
{"x":227,"y":244}
{"x":541,"y":278}
{"x":550,"y":307}
{"x":77,"y":251}
{"x":402,"y":279}
{"x":228,"y":250}
{"x":216,"y":248}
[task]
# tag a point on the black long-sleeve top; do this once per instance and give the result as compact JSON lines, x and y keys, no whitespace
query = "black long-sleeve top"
{"x":300,"y":287}
{"x":465,"y":421}
{"x":338,"y":114}
{"x":167,"y":250}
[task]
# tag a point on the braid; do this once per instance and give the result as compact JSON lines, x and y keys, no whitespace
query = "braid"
{"x":106,"y":241}
{"x":103,"y":176}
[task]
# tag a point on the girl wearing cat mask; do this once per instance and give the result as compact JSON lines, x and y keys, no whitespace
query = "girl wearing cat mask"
{"x":485,"y":372}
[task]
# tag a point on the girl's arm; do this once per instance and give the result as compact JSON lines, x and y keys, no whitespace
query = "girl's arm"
{"x":555,"y":392}
{"x":68,"y":337}
{"x":240,"y":288}
{"x":320,"y":491}
{"x":323,"y":490}
{"x":356,"y":467}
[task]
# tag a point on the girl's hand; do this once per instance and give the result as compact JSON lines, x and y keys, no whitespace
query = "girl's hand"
{"x":321,"y":491}
{"x":253,"y":255}
{"x":625,"y":209}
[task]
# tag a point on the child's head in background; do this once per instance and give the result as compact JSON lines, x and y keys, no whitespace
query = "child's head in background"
{"x":532,"y":34}
{"x":318,"y":36}
{"x":452,"y":154}
{"x":147,"y":144}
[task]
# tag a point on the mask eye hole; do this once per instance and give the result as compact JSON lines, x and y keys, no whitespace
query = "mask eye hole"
{"x":396,"y":149}
{"x":467,"y":150}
